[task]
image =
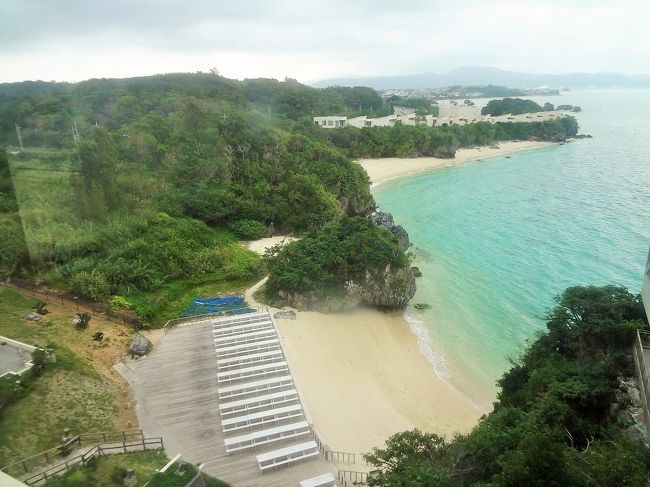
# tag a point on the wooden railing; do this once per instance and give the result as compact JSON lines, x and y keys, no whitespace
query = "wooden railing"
{"x":74,"y":303}
{"x":97,"y":450}
{"x":331,"y":455}
{"x":26,"y":465}
{"x":349,"y":478}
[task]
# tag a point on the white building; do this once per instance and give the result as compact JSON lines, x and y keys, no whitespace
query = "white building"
{"x":458,"y":111}
{"x":331,"y":122}
{"x":387,"y":121}
{"x":359,"y":122}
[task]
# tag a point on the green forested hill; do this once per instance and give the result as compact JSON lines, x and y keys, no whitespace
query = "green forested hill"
{"x":127,"y":186}
{"x":164,"y":171}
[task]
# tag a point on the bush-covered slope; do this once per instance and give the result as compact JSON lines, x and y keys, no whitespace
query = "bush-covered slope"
{"x":344,"y":263}
{"x":555,"y":422}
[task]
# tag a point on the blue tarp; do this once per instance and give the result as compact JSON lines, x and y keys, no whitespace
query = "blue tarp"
{"x":217,"y":304}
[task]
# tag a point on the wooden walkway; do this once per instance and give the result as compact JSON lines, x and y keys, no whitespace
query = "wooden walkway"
{"x":176,"y":390}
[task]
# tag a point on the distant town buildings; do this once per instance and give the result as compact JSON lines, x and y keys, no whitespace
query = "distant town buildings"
{"x":449,"y":114}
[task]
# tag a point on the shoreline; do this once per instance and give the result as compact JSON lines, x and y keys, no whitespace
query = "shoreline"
{"x":386,"y":169}
{"x":362,"y":377}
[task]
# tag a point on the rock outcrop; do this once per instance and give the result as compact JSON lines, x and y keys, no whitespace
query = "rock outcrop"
{"x":357,"y":205}
{"x":386,"y":288}
{"x":628,"y":410}
{"x":140,"y":346}
{"x":384,"y":219}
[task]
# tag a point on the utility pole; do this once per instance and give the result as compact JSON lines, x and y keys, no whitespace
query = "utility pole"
{"x":20,"y":137}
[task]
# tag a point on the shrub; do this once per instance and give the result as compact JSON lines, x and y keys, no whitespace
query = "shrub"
{"x":120,"y":302}
{"x":92,"y":285}
{"x":81,"y":320}
{"x":247,"y":229}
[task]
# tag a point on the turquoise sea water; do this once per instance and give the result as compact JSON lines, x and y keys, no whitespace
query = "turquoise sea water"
{"x":498,"y":239}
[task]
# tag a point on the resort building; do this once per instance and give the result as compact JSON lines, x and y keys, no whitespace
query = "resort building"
{"x":331,"y":122}
{"x":458,"y":111}
{"x":359,"y":122}
{"x":450,"y":114}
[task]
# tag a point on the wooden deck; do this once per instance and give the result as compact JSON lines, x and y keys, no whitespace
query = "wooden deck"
{"x":176,"y":390}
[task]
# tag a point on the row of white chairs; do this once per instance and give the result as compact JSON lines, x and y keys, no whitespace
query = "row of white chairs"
{"x":239,"y":329}
{"x":324,"y":480}
{"x":245,"y":337}
{"x":256,"y":358}
{"x":239,"y":318}
{"x":287,"y":455}
{"x":256,"y":321}
{"x":264,"y":398}
{"x":252,"y":403}
{"x":252,"y":372}
{"x":254,"y":388}
{"x":261,"y":418}
{"x":236,"y":350}
{"x":264,"y":437}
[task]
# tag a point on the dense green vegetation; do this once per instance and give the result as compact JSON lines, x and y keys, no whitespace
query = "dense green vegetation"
{"x":168,"y":171}
{"x":322,"y":262}
{"x":512,"y":106}
{"x":67,"y":394}
{"x":412,"y":141}
{"x":552,"y":424}
{"x":422,"y":105}
{"x":109,"y":471}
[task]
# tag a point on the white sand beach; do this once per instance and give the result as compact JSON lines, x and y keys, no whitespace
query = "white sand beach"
{"x":380,"y":170}
{"x":360,"y":373}
{"x":260,"y":246}
{"x":363,"y":378}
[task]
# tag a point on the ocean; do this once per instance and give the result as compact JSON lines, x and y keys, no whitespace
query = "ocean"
{"x":498,"y":239}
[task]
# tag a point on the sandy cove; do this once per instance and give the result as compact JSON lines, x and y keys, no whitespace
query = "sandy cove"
{"x":362,"y":377}
{"x":381,"y":170}
{"x":361,"y":374}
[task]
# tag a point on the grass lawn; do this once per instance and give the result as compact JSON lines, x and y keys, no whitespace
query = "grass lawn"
{"x":80,"y":391}
{"x":107,"y":471}
{"x":170,"y":300}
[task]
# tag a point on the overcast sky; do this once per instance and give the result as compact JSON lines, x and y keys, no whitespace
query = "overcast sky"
{"x":73,"y":40}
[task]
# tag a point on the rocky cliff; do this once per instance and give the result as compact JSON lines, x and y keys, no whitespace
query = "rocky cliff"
{"x":386,"y":288}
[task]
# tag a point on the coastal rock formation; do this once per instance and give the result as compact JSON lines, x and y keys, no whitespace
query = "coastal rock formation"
{"x":446,"y":151}
{"x":628,"y":410}
{"x":384,"y":289}
{"x":384,"y":219}
{"x":357,"y":206}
